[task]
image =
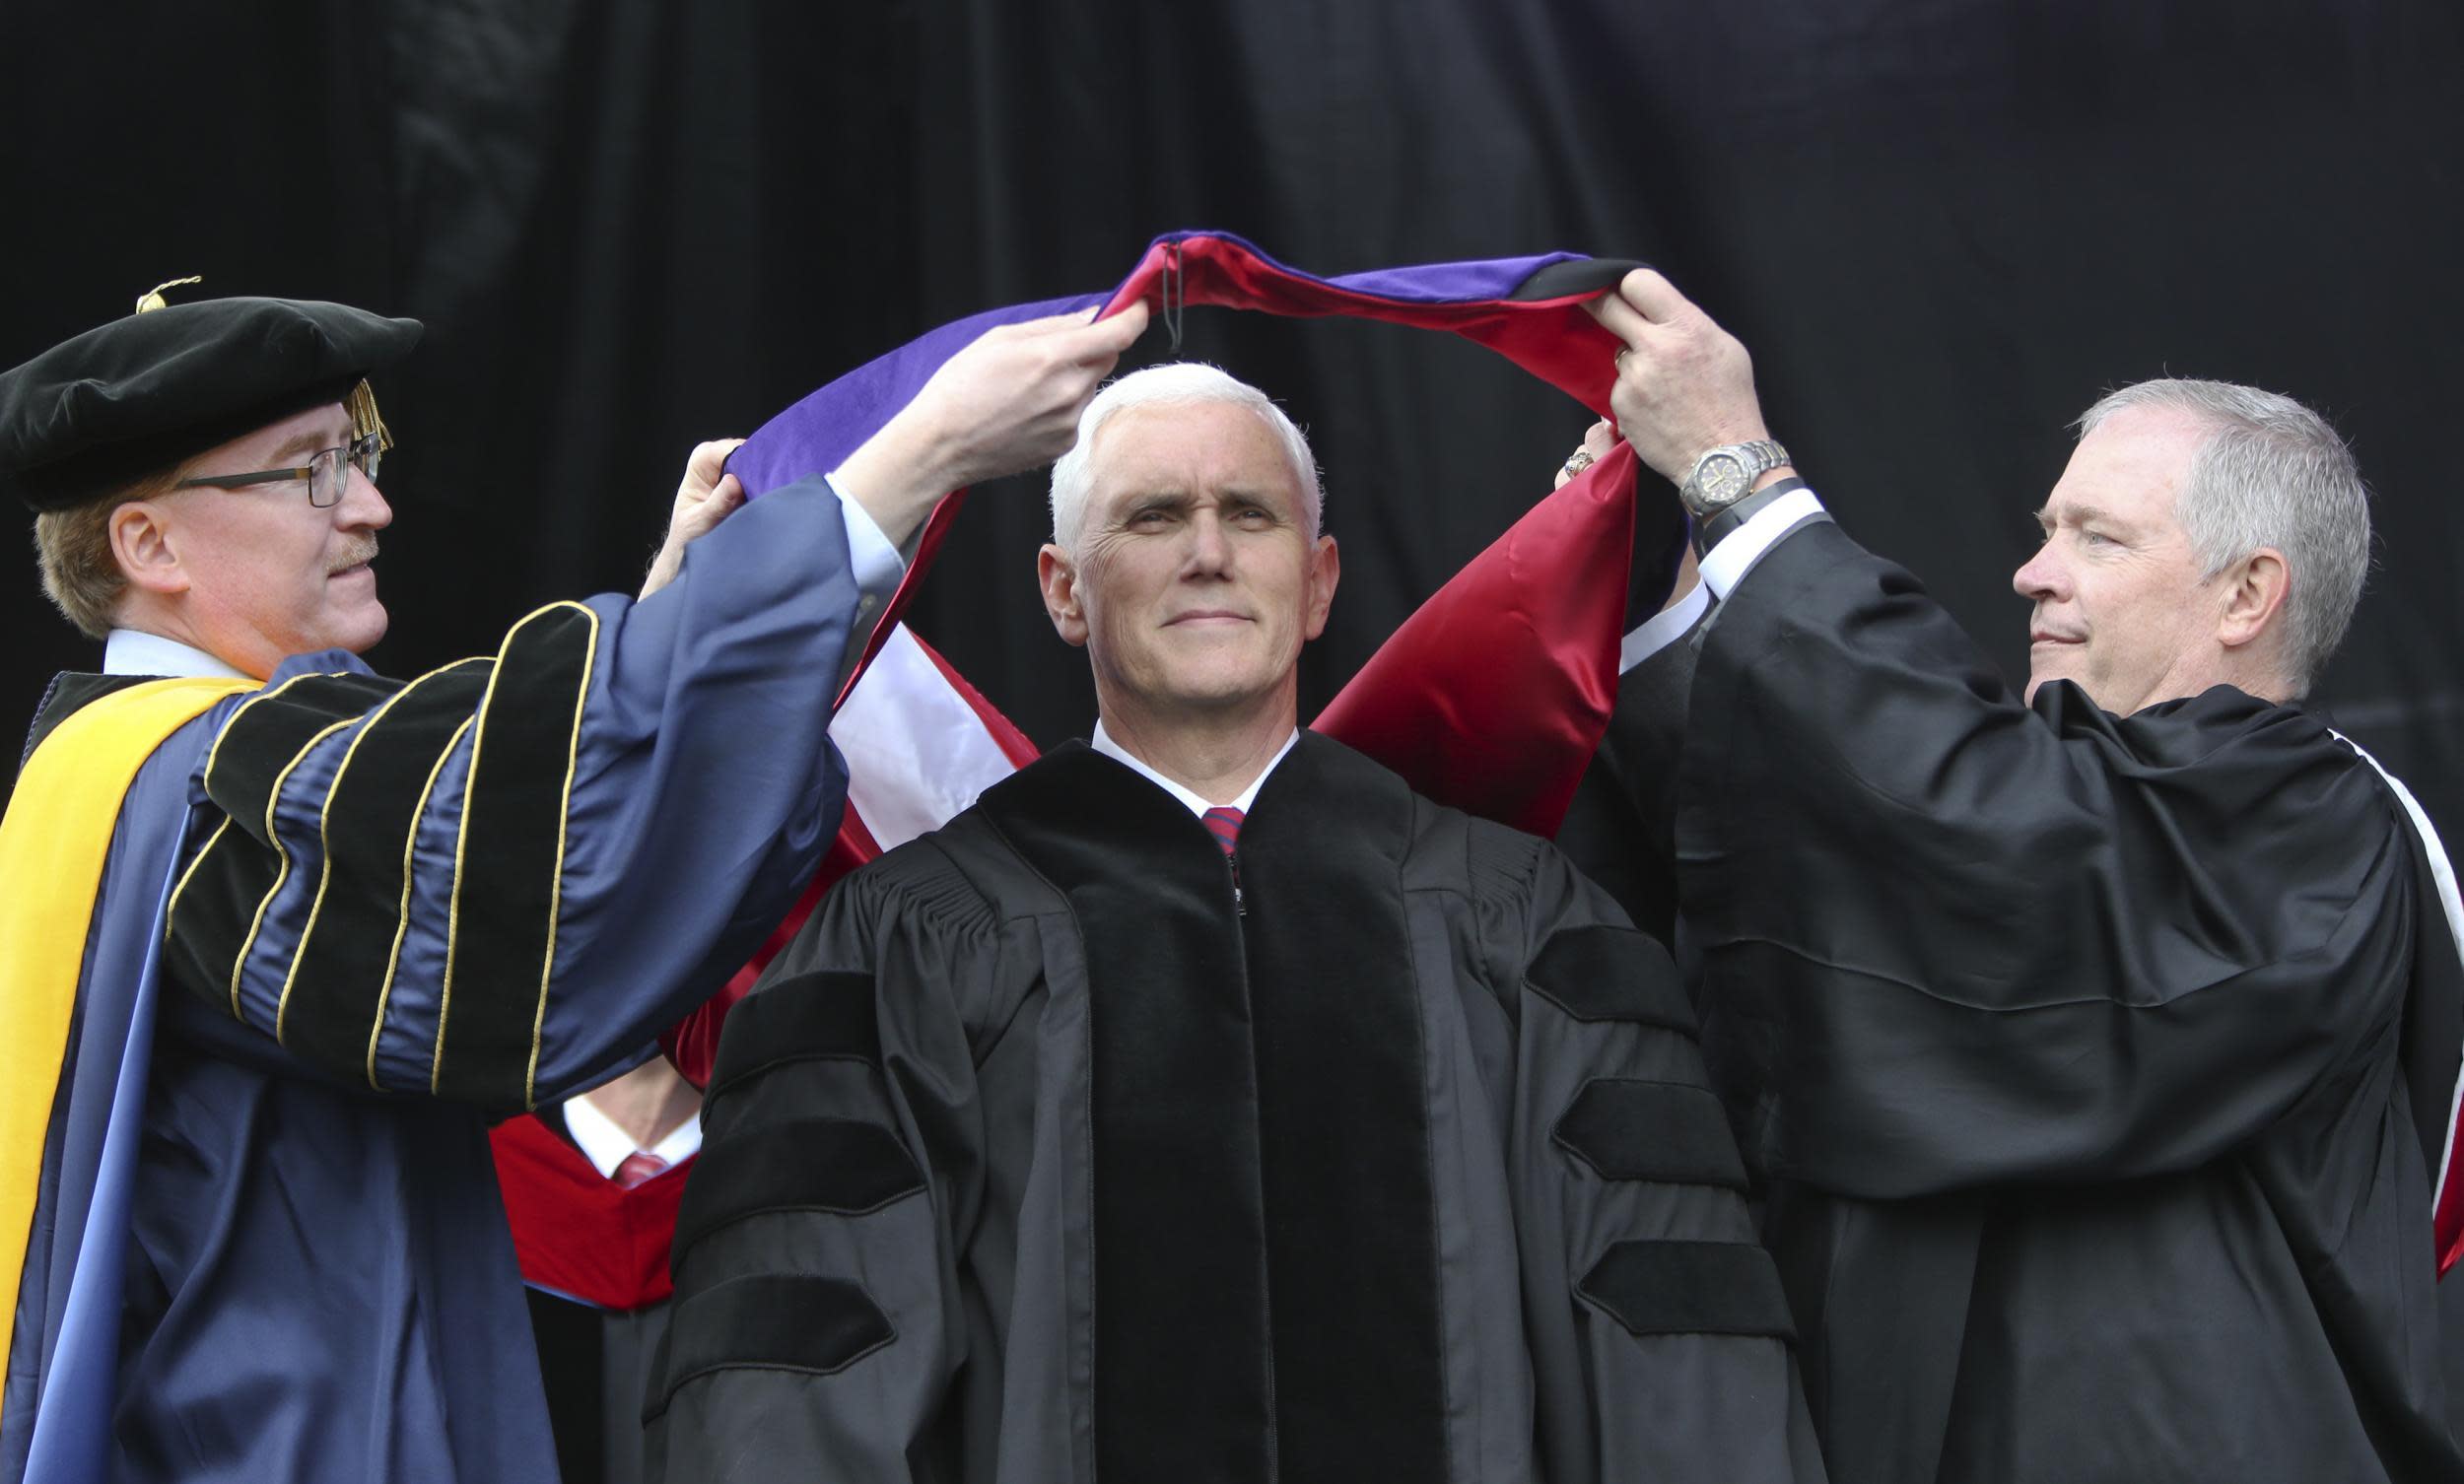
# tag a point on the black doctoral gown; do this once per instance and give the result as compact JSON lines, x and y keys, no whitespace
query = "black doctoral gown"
{"x":2094,"y":1066}
{"x":1058,"y":1147}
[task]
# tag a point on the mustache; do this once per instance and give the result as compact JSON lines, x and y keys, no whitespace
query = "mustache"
{"x":357,"y":553}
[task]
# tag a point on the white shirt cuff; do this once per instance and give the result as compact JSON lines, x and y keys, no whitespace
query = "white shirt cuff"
{"x":878,"y":565}
{"x":1664,"y":628}
{"x":1724,"y":566}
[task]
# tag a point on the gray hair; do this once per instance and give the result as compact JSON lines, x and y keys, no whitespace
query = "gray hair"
{"x":2270,"y":473}
{"x":1176,"y":384}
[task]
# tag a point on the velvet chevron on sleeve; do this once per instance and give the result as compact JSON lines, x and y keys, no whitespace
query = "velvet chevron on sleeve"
{"x":403,"y":884}
{"x":818,"y":1316}
{"x":1661,"y":1341}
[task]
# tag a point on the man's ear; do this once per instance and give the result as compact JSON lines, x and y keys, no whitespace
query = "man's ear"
{"x":141,"y":542}
{"x":1057,"y":575}
{"x":1326,"y":569}
{"x":2254,"y":594}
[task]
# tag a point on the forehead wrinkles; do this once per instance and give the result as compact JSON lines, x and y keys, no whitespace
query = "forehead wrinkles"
{"x":1193,"y":449}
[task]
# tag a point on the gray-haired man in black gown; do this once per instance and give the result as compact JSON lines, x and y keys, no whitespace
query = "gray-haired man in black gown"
{"x":2098,"y":1045}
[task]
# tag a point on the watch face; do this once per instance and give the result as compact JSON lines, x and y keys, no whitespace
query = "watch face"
{"x":1722,"y":478}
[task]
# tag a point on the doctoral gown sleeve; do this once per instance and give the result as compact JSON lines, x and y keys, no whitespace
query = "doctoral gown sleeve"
{"x":1949,"y":941}
{"x":497,"y":881}
{"x":1620,"y":831}
{"x":1660,"y":1338}
{"x":817,"y":1318}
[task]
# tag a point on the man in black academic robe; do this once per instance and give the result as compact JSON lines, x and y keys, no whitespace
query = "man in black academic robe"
{"x":1203,"y":1105}
{"x":2098,"y":1050}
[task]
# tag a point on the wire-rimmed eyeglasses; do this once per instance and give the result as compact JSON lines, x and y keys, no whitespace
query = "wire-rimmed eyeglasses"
{"x":325,"y":471}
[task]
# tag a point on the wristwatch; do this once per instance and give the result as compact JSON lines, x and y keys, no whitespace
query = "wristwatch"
{"x":1724,"y":476}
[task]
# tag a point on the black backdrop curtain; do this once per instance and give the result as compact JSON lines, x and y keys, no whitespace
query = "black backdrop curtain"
{"x":1943,"y":228}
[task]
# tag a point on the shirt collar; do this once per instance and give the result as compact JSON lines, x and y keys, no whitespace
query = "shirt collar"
{"x":605,"y":1145}
{"x":1103,"y":742}
{"x":132,"y":651}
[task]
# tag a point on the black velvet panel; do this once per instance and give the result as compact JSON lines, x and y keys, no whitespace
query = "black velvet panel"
{"x":1602,"y":972}
{"x":1689,"y":1288}
{"x":1575,"y":276}
{"x":266,"y":733}
{"x":215,"y":910}
{"x":573,"y":1344}
{"x":1266,"y":1285}
{"x":1184,"y":1379}
{"x":770,"y":1322}
{"x":1627,"y":1129}
{"x":339,"y":976}
{"x":69,"y":693}
{"x":810,"y":1017}
{"x":1360,"y":1388}
{"x":836,"y":1164}
{"x":514,"y":835}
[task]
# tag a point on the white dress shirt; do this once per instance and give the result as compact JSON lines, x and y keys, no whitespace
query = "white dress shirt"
{"x":1723,"y":568}
{"x":1103,"y":743}
{"x":606,"y":1145}
{"x":877,"y":565}
{"x":133,"y":651}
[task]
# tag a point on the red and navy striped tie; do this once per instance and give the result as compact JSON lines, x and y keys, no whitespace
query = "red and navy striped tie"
{"x":638,"y":1167}
{"x":1223,"y":822}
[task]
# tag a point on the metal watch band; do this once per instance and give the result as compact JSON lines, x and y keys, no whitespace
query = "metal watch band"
{"x":1755,"y":458}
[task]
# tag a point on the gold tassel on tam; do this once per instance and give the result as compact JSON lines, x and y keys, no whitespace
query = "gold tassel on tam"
{"x":365,"y":419}
{"x":153,"y":299}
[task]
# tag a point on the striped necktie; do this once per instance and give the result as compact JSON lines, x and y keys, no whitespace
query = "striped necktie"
{"x":1223,"y":822}
{"x":638,"y":1167}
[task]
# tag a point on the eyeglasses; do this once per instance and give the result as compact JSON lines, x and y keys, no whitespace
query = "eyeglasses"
{"x":324,"y":471}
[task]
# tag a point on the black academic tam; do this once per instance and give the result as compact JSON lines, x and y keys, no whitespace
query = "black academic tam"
{"x":135,"y":396}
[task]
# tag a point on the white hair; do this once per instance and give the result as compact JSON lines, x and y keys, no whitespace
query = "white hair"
{"x":2270,"y":473}
{"x":1176,"y":383}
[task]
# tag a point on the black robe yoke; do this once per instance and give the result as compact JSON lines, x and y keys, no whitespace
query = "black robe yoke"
{"x":1034,"y":1159}
{"x":2073,"y":1047}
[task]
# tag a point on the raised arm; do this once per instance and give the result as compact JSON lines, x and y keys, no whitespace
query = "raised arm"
{"x":1947,"y":940}
{"x":499,"y":881}
{"x":1955,"y":941}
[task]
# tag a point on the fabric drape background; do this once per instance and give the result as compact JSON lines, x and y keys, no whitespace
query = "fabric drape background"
{"x":1942,"y":228}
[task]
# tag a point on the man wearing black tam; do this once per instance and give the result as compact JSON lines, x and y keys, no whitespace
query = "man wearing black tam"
{"x":249,"y":1228}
